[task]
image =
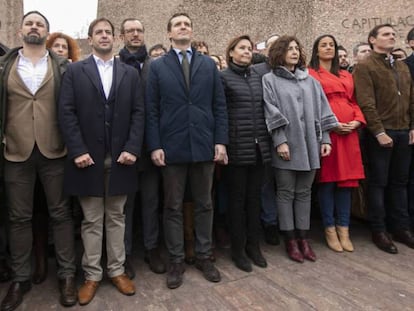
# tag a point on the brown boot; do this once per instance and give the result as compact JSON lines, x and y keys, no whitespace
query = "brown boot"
{"x":332,"y":239}
{"x":188,"y":216}
{"x":343,"y":234}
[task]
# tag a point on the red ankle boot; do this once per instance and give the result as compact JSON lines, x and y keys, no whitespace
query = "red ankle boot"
{"x":306,"y":250}
{"x":293,"y":251}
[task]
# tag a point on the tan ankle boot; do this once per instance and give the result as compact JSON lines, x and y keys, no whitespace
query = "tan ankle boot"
{"x":332,"y":239}
{"x":343,"y":234}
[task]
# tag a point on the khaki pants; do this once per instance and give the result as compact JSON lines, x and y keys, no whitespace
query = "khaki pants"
{"x":96,"y":210}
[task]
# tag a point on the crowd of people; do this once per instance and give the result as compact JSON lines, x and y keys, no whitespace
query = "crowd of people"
{"x":219,"y":148}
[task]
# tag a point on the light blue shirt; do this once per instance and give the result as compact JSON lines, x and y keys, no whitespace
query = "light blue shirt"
{"x":180,"y":57}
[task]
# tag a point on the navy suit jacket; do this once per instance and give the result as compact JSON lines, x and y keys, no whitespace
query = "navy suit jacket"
{"x":82,"y":121}
{"x":410,"y":62}
{"x":186,"y":124}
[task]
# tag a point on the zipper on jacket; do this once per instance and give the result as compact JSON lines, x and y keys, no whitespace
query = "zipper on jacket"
{"x":256,"y":140}
{"x":397,"y":80}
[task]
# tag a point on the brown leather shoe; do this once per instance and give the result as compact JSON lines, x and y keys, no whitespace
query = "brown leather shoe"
{"x":124,"y":284}
{"x":383,"y":242}
{"x":87,"y":292}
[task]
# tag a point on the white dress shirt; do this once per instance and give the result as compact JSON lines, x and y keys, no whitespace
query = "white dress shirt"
{"x":105,"y":72}
{"x":32,"y":74}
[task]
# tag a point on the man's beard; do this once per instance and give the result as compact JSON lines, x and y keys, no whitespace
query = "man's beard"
{"x":34,"y":40}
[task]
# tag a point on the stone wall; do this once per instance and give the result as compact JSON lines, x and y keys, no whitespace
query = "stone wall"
{"x":11,"y":13}
{"x":217,"y":21}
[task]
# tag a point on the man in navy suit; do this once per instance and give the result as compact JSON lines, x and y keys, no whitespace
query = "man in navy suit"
{"x":186,"y":132}
{"x":101,"y":114}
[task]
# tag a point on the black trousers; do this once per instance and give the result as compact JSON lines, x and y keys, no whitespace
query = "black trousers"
{"x":244,"y":184}
{"x":388,"y":171}
{"x":20,"y":178}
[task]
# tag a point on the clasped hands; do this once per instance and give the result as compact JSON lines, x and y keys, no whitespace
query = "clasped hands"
{"x":85,"y":160}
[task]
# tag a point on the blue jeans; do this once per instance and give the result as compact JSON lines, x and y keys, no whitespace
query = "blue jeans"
{"x":388,"y":170}
{"x":333,"y":201}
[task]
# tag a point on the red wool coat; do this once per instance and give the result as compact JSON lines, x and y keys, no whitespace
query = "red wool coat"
{"x":344,"y":164}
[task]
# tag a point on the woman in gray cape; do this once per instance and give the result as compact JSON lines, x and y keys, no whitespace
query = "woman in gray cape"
{"x":299,"y":118}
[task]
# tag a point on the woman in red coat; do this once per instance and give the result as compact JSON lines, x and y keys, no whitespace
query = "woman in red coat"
{"x":341,"y":170}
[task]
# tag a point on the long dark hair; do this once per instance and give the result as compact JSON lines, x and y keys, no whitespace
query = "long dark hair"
{"x":314,"y":62}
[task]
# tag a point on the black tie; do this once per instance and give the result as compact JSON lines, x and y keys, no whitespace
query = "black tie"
{"x":186,"y":68}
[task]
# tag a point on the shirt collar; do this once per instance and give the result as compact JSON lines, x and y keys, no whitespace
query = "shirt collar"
{"x":189,"y":51}
{"x":100,"y":61}
{"x":24,"y":58}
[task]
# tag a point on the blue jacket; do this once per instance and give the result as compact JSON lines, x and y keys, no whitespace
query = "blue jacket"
{"x":186,"y":124}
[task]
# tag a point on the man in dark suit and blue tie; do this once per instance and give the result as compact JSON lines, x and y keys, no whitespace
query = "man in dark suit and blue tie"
{"x":186,"y":132}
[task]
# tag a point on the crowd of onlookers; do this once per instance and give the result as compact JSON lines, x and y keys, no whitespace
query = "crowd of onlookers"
{"x":203,"y":149}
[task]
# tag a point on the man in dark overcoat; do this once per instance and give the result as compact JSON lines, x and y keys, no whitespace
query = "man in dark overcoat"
{"x":101,"y":115}
{"x":134,"y":53}
{"x":186,"y":131}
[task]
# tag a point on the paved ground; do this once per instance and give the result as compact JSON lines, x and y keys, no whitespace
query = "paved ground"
{"x":367,"y":279}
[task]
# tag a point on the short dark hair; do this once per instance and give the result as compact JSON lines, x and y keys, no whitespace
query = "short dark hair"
{"x":38,"y":13}
{"x":399,"y":50}
{"x":340,"y":47}
{"x":314,"y":62}
{"x":357,"y":46}
{"x":279,"y":48}
{"x":232,"y":44}
{"x":156,"y":47}
{"x":169,"y":25}
{"x":130,"y":19}
{"x":410,"y":35}
{"x":98,"y":20}
{"x":374,"y":32}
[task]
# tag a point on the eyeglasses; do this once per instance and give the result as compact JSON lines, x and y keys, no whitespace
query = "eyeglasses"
{"x":133,"y":30}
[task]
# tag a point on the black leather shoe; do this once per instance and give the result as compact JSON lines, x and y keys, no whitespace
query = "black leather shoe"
{"x":404,"y":236}
{"x":242,"y":262}
{"x":254,"y":253}
{"x":129,"y":268}
{"x":383,"y":242}
{"x":68,"y":292}
{"x":271,"y":234}
{"x":15,"y":294}
{"x":153,"y":259}
{"x":5,"y":273}
{"x":175,"y":275}
{"x":210,"y":272}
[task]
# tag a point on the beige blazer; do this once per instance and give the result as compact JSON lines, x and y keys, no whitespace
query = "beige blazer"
{"x":31,"y":119}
